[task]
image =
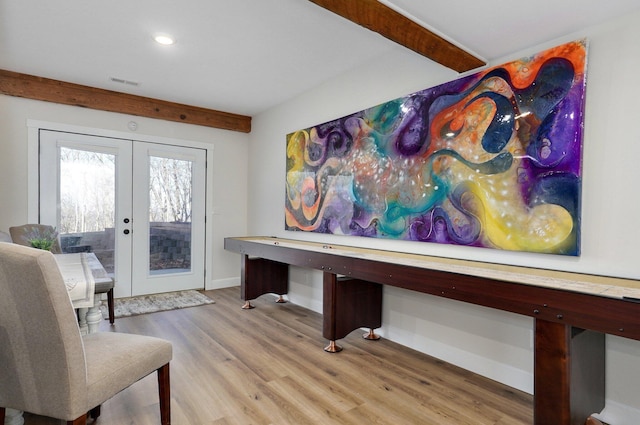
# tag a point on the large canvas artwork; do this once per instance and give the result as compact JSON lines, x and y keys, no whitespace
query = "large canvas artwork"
{"x":490,"y":160}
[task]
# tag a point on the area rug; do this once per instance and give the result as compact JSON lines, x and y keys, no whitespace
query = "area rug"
{"x":143,"y":304}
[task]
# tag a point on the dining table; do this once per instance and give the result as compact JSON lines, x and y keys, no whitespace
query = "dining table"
{"x":81,"y":273}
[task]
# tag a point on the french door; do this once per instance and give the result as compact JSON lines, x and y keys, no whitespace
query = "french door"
{"x":139,"y":206}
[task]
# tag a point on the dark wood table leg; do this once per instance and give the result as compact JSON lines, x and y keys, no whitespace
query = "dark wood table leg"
{"x":259,"y":276}
{"x":349,"y":304}
{"x":569,"y":374}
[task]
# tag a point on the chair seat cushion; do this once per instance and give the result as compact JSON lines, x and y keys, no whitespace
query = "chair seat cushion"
{"x":117,"y":360}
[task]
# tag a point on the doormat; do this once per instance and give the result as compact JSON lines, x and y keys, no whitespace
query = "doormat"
{"x":124,"y":307}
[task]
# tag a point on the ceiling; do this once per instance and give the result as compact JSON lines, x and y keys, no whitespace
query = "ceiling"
{"x":246,"y":56}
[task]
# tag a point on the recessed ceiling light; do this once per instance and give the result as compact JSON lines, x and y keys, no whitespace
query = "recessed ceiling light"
{"x":164,"y":39}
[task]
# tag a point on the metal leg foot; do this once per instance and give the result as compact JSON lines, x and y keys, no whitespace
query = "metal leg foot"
{"x":332,"y":347}
{"x":247,"y":305}
{"x":281,"y":300}
{"x":372,"y":336}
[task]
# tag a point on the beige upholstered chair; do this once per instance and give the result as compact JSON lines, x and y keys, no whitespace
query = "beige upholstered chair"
{"x":20,"y":235}
{"x":46,"y":366}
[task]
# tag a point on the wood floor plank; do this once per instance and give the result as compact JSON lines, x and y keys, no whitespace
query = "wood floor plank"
{"x":266,"y":366}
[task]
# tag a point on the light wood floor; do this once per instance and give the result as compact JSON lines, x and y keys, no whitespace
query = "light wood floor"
{"x":267,"y":366}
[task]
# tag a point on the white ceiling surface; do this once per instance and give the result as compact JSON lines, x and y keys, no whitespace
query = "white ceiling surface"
{"x":245,"y":56}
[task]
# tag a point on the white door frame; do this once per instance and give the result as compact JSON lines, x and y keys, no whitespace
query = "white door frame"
{"x":33,"y":128}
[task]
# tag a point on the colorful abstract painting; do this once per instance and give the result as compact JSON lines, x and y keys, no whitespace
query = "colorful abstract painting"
{"x":489,"y":160}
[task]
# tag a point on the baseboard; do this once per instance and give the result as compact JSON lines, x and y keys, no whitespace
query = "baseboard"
{"x":616,"y":413}
{"x":223,"y":283}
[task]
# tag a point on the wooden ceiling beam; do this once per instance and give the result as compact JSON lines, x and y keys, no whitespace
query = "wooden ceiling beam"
{"x":48,"y":90}
{"x":387,"y":22}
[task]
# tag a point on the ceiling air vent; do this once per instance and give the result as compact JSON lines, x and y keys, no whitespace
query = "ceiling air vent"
{"x":123,"y":81}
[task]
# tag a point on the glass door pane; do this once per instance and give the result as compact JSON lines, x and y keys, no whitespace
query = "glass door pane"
{"x":87,"y":203}
{"x":170,"y":188}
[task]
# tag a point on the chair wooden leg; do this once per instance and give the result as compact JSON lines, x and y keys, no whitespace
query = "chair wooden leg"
{"x":82,"y":420}
{"x":110,"y":305}
{"x":164,"y":394}
{"x":95,"y":412}
{"x":2,"y":413}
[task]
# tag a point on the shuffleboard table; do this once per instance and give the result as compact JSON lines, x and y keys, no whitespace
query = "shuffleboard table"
{"x":572,"y":312}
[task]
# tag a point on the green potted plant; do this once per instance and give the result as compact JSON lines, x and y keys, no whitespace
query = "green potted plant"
{"x":42,"y":239}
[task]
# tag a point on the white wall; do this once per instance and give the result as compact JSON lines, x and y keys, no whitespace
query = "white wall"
{"x":493,"y":343}
{"x":227,"y":182}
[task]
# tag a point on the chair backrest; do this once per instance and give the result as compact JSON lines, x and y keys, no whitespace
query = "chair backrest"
{"x":22,"y":234}
{"x":42,"y":363}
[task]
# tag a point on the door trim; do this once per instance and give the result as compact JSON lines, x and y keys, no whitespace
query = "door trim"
{"x":33,"y":128}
